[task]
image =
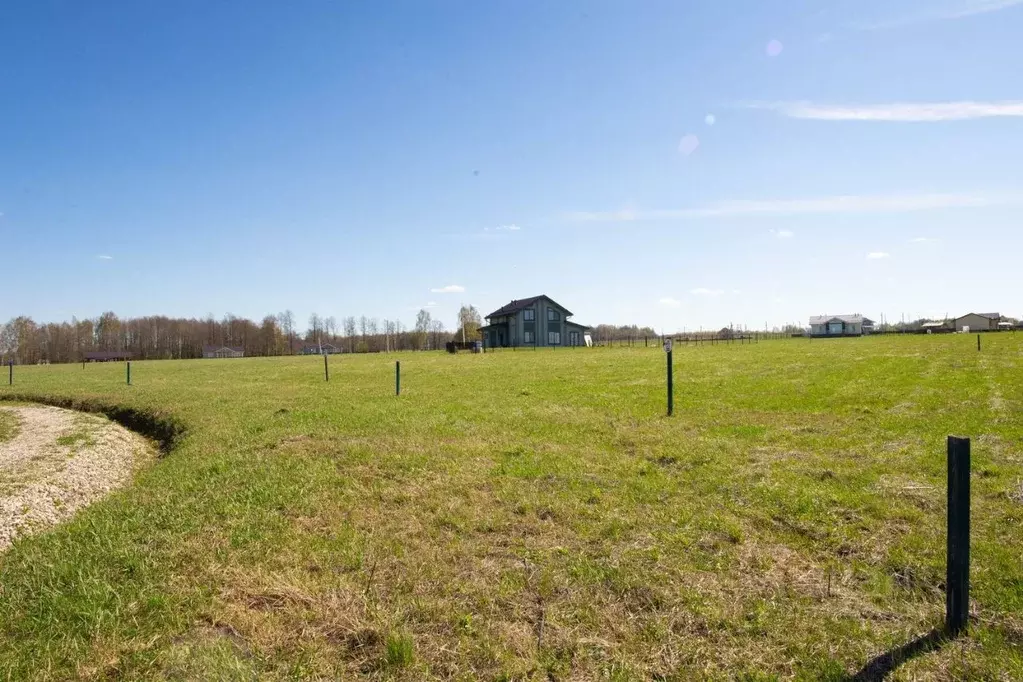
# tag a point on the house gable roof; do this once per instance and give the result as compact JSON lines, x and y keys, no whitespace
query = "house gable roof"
{"x":523,"y":303}
{"x":217,"y":349}
{"x":848,"y":319}
{"x":990,"y":316}
{"x":322,"y":344}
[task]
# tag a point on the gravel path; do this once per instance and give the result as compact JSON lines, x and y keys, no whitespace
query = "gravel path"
{"x":59,"y":462}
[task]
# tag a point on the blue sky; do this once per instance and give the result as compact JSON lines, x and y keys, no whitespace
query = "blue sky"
{"x":677,"y":164}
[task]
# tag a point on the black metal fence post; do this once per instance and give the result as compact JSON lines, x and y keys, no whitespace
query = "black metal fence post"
{"x":397,"y":377}
{"x":326,"y":370}
{"x":957,"y":577}
{"x":671,"y":387}
{"x":10,"y":375}
{"x":978,"y":343}
{"x":128,"y":371}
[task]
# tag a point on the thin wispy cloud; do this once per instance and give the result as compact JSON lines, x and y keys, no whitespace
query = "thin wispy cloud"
{"x":783,"y":234}
{"x":669,"y":302}
{"x":894,"y":112}
{"x":449,"y":289}
{"x":878,"y":255}
{"x":104,"y":257}
{"x":704,"y":291}
{"x":503,"y":228}
{"x":944,"y":11}
{"x":893,"y":203}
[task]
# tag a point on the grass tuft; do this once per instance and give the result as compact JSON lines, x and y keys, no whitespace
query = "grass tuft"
{"x":399,"y":651}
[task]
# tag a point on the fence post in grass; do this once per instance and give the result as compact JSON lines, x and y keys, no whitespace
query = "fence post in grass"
{"x":128,"y":371}
{"x":397,"y":377}
{"x":957,"y":577}
{"x":10,"y":375}
{"x":978,"y":343}
{"x":326,"y":370}
{"x":671,"y":387}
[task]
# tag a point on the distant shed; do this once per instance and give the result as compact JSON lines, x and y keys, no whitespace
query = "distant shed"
{"x":937,"y":327}
{"x":978,"y":322}
{"x":223,"y":352}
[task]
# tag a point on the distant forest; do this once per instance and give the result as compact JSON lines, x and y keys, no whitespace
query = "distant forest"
{"x":24,"y":341}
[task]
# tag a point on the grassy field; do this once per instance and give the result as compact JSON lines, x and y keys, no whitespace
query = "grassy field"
{"x":8,"y":426}
{"x":534,"y":515}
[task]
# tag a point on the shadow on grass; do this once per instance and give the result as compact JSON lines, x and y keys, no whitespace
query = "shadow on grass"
{"x":165,"y":429}
{"x":884,"y":665}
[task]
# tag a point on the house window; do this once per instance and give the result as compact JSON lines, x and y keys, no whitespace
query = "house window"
{"x":553,"y":338}
{"x":553,"y":315}
{"x":573,"y":338}
{"x":529,"y":315}
{"x":527,"y":337}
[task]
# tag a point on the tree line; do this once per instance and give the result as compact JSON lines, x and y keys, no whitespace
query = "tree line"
{"x":24,"y":341}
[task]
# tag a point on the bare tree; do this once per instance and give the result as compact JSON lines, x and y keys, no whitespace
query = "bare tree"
{"x":287,"y":322}
{"x":374,"y":330}
{"x":350,"y":333}
{"x":270,"y":336}
{"x":436,"y":334}
{"x":469,"y":323}
{"x":315,"y":331}
{"x":422,"y":328}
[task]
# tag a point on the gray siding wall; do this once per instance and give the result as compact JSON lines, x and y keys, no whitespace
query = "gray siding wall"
{"x":976,"y":323}
{"x":517,"y":326}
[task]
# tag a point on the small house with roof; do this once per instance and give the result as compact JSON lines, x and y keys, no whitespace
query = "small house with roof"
{"x":535,"y":321}
{"x":223,"y":352}
{"x":935,"y":327}
{"x":978,"y":322}
{"x":840,"y":325}
{"x":316,"y":348}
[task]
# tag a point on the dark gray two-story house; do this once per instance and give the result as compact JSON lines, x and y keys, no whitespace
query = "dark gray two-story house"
{"x":536,"y":321}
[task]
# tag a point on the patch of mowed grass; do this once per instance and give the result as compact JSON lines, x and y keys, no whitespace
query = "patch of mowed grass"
{"x":534,"y":515}
{"x":8,"y":426}
{"x":76,"y":439}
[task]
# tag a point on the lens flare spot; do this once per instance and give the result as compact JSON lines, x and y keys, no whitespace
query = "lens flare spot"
{"x":688,"y":144}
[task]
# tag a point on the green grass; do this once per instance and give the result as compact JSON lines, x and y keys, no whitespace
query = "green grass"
{"x":8,"y":426}
{"x":76,"y":438}
{"x":534,"y":515}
